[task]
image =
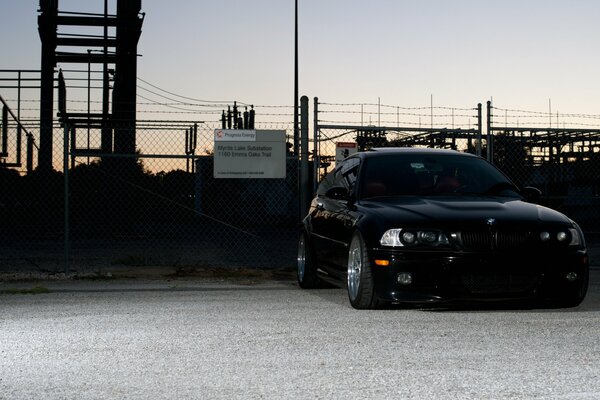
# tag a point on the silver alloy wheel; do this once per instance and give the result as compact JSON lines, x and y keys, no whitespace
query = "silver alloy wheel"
{"x":301,"y":258}
{"x":355,"y":258}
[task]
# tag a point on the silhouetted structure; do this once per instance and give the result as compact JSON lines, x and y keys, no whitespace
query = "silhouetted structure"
{"x":233,"y":118}
{"x":369,"y":138}
{"x":119,"y":50}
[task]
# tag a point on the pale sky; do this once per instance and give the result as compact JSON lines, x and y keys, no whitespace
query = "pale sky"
{"x":460,"y":52}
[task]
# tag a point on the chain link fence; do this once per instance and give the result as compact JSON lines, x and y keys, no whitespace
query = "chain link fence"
{"x":562,"y":161}
{"x":158,"y":207}
{"x":558,"y":154}
{"x":162,"y":206}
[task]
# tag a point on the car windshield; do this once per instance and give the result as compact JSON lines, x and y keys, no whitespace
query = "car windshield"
{"x":431,"y":174}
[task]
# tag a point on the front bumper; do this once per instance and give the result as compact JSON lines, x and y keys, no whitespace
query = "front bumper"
{"x":456,"y":276}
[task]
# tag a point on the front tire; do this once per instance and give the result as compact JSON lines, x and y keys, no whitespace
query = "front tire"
{"x":306,"y":271}
{"x":361,"y":289}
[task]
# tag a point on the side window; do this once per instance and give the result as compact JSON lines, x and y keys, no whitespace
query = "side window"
{"x":344,"y":175}
{"x":326,"y":184}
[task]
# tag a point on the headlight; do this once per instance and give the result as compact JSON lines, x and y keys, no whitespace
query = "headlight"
{"x":410,"y":237}
{"x":570,"y":237}
{"x":391,"y":238}
{"x":562,"y":236}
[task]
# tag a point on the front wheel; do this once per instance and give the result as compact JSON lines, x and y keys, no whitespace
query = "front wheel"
{"x":361,"y":289}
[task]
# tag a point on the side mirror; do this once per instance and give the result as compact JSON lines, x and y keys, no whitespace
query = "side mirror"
{"x":531,"y":194}
{"x":338,"y":193}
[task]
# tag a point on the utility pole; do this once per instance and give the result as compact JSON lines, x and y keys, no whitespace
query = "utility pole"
{"x":296,"y":131}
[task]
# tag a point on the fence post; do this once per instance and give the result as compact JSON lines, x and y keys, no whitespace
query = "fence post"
{"x":316,"y":155}
{"x":305,"y":186}
{"x":479,"y":126}
{"x":66,"y":195}
{"x":489,"y":145}
{"x":4,"y":150}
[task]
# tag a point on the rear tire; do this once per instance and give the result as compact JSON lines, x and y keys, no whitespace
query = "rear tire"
{"x":361,"y":289}
{"x":306,"y":271}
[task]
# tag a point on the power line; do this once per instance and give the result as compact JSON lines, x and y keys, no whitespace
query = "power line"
{"x":190,"y":98}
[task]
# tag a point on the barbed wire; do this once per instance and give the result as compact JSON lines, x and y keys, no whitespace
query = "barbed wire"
{"x":546,"y":114}
{"x":23,"y":100}
{"x":174,"y":104}
{"x":205,"y":113}
{"x":530,"y":124}
{"x":149,"y":102}
{"x":394,"y":125}
{"x":393,"y":106}
{"x":395,"y":114}
{"x":382,"y":114}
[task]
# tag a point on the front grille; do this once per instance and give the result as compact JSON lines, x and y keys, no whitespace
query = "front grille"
{"x":499,"y":283}
{"x":487,"y":240}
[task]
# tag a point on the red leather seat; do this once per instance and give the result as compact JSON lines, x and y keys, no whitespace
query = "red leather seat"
{"x":446,"y":184}
{"x":374,"y":189}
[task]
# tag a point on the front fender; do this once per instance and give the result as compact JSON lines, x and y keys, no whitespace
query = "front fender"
{"x":371,"y":228}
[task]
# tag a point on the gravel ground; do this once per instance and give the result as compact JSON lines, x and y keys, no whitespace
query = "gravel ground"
{"x":221,"y":338}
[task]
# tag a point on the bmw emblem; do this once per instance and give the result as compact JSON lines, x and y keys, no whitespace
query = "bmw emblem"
{"x":490,"y":221}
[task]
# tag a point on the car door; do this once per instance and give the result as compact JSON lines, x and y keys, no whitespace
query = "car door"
{"x":331,"y":218}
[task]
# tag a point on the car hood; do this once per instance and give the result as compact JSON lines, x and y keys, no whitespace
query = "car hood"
{"x":461,"y":211}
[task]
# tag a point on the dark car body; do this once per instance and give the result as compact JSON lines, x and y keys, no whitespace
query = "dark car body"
{"x":426,"y":226}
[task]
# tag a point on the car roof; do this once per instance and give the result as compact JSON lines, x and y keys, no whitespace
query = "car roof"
{"x":374,"y":152}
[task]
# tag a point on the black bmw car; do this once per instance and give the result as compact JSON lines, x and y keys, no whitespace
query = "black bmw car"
{"x":403,"y":225}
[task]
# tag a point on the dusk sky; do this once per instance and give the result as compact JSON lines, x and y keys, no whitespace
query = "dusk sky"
{"x":520,"y":53}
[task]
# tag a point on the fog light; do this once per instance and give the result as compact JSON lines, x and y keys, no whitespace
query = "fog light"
{"x":572,"y":276}
{"x":545,"y":236}
{"x":405,"y":278}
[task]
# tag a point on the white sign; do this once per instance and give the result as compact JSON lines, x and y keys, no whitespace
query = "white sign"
{"x":249,"y":154}
{"x":344,"y":149}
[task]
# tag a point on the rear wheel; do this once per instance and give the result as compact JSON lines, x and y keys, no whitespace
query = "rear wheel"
{"x":306,"y":273}
{"x":361,"y":289}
